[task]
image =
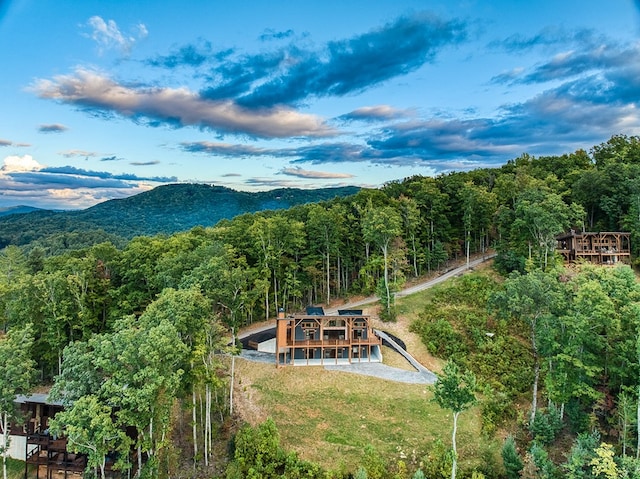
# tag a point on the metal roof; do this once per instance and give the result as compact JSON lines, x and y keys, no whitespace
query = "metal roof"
{"x":37,"y":398}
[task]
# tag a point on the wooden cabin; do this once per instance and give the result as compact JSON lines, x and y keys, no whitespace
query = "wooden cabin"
{"x":605,"y":248}
{"x":45,"y":455}
{"x":318,"y":339}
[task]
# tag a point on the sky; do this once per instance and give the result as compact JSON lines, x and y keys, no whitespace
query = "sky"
{"x":107,"y":99}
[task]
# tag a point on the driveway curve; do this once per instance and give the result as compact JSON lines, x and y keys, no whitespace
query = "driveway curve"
{"x":421,"y":375}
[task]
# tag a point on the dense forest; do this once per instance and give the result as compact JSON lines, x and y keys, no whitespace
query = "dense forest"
{"x":127,"y":331}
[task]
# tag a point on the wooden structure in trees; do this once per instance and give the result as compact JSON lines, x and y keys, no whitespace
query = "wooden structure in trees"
{"x":45,"y":455}
{"x":318,"y":339}
{"x":606,"y":248}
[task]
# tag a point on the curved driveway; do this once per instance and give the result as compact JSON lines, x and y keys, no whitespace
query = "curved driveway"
{"x":421,"y":376}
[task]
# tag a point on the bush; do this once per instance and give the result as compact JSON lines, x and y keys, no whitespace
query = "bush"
{"x":438,"y":461}
{"x":257,"y":455}
{"x":508,"y":261}
{"x":440,"y":338}
{"x":497,"y":408}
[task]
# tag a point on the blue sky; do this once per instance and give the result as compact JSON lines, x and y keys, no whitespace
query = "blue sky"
{"x":106,"y":99}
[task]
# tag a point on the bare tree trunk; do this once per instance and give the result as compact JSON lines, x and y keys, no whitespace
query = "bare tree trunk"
{"x":207,"y":423}
{"x":386,"y":278}
{"x":536,"y":370}
{"x":534,"y":399}
{"x":638,"y":418}
{"x":233,"y":372}
{"x":328,"y":280}
{"x":5,"y":443}
{"x":468,"y":246}
{"x":454,"y":466}
{"x":339,"y":275}
{"x":194,"y":418}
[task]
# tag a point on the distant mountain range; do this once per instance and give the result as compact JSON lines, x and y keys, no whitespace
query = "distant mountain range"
{"x":165,"y":209}
{"x":13,"y":210}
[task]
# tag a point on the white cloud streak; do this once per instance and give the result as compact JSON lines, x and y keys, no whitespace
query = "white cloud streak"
{"x":177,"y":107}
{"x":108,"y":36}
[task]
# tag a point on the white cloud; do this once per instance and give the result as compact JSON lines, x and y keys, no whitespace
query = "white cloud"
{"x":108,"y":36}
{"x":20,"y":163}
{"x":300,"y":173}
{"x":177,"y":106}
{"x":77,"y":153}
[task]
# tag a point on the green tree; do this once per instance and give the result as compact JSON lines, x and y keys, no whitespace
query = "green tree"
{"x":603,"y":463}
{"x":13,"y":267}
{"x":277,"y":242}
{"x":16,"y":377}
{"x":540,"y":216}
{"x":627,"y":418}
{"x":374,"y":464}
{"x":455,"y":390}
{"x":511,"y":459}
{"x":380,"y":226}
{"x":325,"y":228}
{"x":89,"y":428}
{"x":479,"y":206}
{"x":411,"y":223}
{"x":578,"y":463}
{"x":144,"y":380}
{"x":532,"y":299}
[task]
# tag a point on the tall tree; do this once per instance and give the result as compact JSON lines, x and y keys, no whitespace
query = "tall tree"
{"x":542,"y":215}
{"x":380,"y":226}
{"x":16,"y":377}
{"x":324,"y":231}
{"x":411,"y":223}
{"x":530,"y":298}
{"x":479,"y":206}
{"x":455,"y":390}
{"x":13,"y":267}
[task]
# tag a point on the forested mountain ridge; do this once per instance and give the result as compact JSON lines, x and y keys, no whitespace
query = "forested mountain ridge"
{"x":14,"y":210}
{"x":166,"y":209}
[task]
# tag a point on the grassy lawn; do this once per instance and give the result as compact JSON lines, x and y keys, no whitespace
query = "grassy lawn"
{"x":329,"y":417}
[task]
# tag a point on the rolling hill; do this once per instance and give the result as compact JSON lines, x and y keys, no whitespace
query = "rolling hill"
{"x":166,"y":209}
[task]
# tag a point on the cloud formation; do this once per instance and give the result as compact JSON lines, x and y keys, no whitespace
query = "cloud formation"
{"x":255,"y":95}
{"x":108,"y":36}
{"x":22,"y":178}
{"x":300,"y":173}
{"x":52,"y":128}
{"x":14,"y":164}
{"x":177,"y":107}
{"x":342,"y":67}
{"x":192,"y":55}
{"x":376,"y":113}
{"x":271,"y":34}
{"x":145,"y":163}
{"x":78,"y":153}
